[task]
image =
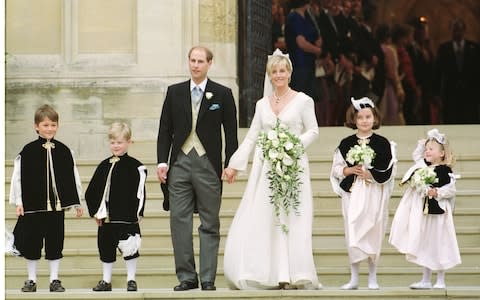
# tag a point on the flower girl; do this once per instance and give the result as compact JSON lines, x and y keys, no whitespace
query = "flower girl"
{"x":422,"y":227}
{"x":363,"y":169}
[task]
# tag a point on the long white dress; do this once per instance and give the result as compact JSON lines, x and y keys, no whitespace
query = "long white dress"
{"x":258,"y":254}
{"x":365,"y":206}
{"x":427,"y":240}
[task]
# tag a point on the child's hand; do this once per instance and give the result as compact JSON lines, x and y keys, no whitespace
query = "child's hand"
{"x":432,"y":193}
{"x":78,"y":211}
{"x":19,"y":210}
{"x":229,"y":174}
{"x":355,"y":170}
{"x":99,"y":222}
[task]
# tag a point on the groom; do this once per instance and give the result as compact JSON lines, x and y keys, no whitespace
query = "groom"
{"x":190,"y":139}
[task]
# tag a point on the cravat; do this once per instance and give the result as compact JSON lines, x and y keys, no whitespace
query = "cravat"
{"x":102,"y":212}
{"x":196,"y":96}
{"x":51,"y":178}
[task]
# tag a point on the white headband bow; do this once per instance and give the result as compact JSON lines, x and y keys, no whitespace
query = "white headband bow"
{"x":435,"y":134}
{"x":362,"y":103}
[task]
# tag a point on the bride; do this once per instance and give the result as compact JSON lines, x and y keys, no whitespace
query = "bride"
{"x":259,"y":252}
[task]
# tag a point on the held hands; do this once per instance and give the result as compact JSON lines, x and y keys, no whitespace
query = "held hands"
{"x":229,"y":174}
{"x":432,"y":193}
{"x":359,"y":171}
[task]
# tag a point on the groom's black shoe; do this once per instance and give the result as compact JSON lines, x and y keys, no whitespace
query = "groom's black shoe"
{"x":186,"y":285}
{"x":208,"y":286}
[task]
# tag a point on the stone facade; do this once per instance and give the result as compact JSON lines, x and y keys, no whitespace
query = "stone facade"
{"x":105,"y":61}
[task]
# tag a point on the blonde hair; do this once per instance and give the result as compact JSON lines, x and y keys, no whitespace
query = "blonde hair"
{"x":448,"y":158}
{"x":278,"y":60}
{"x":119,"y":130}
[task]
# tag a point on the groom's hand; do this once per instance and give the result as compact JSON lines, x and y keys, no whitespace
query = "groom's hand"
{"x":162,"y":173}
{"x":229,"y":174}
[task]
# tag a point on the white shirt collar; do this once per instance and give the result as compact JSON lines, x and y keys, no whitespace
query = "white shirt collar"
{"x":202,"y":85}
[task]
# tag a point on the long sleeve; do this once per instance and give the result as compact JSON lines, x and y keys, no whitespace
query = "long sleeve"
{"x":142,"y":170}
{"x":16,"y":183}
{"x":310,"y":124}
{"x":78,"y":181}
{"x":239,"y":160}
{"x":336,"y":174}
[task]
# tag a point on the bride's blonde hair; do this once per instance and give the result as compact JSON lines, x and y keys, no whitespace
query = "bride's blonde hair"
{"x":278,"y":60}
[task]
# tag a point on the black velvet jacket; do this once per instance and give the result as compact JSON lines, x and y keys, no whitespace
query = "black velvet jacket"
{"x":383,"y":155}
{"x":123,"y":202}
{"x":34,"y":176}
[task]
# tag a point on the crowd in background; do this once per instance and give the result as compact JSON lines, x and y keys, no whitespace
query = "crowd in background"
{"x":339,"y":51}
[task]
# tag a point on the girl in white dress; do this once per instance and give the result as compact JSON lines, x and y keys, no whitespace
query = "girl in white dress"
{"x":365,"y":186}
{"x":422,"y":227}
{"x":258,"y":253}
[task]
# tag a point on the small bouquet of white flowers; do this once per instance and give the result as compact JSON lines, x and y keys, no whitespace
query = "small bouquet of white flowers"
{"x":361,"y":154}
{"x":423,"y":178}
{"x":282,"y":150}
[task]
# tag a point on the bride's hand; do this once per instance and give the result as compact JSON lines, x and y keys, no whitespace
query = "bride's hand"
{"x":229,"y":174}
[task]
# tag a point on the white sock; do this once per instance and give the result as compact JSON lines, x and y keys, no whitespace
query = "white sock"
{"x":107,"y":272}
{"x":441,"y":277}
{"x":427,"y":275}
{"x":32,"y":269}
{"x":372,"y":272}
{"x":54,"y":266}
{"x":131,"y":268}
{"x":354,"y":268}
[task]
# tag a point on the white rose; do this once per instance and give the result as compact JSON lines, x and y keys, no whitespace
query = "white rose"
{"x":208,"y":95}
{"x":275,"y":143}
{"x":288,"y":146}
{"x":272,"y":134}
{"x":287,"y":160}
{"x":272,"y":154}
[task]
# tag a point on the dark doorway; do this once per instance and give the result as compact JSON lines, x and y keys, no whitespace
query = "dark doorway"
{"x":254,"y":44}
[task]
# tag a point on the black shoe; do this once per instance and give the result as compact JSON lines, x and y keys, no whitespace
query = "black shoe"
{"x":56,"y":286}
{"x":103,"y":286}
{"x":186,"y":285}
{"x":131,"y":286}
{"x":208,"y":286}
{"x":30,"y":286}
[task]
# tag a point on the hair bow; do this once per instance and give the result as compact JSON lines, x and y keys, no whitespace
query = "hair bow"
{"x":362,"y":103}
{"x":435,"y":134}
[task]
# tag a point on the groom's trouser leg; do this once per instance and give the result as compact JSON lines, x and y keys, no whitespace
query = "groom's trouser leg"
{"x":208,"y":194}
{"x":181,"y":218}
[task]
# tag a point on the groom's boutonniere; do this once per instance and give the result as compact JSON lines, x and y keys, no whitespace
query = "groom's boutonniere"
{"x":209,"y":95}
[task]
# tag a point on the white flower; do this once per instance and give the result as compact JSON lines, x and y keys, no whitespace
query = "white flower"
{"x":288,"y":146}
{"x":423,"y":178}
{"x":272,"y":154}
{"x":282,"y":150}
{"x":272,"y":134}
{"x":209,"y":95}
{"x":287,"y":160}
{"x":360,"y":154}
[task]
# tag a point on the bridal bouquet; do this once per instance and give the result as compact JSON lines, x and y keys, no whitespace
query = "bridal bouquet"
{"x":361,"y":154}
{"x":282,"y":150}
{"x":423,"y":178}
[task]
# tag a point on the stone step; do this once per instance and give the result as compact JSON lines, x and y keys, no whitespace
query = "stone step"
{"x":326,"y":238}
{"x":467,"y":164}
{"x":325,"y":218}
{"x":164,"y":278}
{"x":386,"y":292}
{"x":87,"y":258}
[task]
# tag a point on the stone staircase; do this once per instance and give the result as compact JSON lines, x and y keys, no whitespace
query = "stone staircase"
{"x":81,"y":269}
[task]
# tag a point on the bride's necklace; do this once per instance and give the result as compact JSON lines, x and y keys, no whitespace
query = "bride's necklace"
{"x":279,"y":98}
